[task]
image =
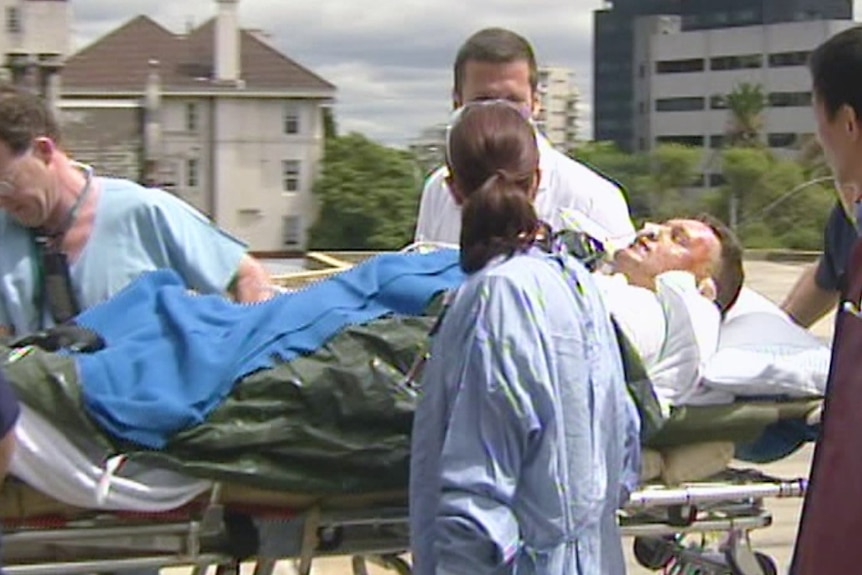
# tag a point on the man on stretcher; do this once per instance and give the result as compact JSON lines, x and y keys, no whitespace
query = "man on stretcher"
{"x":238,"y":389}
{"x":662,"y":291}
{"x":668,"y":291}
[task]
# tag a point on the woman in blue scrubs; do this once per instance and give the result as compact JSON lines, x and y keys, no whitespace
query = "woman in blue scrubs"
{"x":525,"y":440}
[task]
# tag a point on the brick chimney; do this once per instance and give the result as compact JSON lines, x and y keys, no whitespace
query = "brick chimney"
{"x":152,"y":125}
{"x":227,"y":33}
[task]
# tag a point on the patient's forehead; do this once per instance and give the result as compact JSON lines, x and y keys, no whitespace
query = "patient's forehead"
{"x":694,"y":228}
{"x":698,"y":237}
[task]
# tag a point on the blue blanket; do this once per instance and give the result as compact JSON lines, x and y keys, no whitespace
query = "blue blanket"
{"x":172,"y":357}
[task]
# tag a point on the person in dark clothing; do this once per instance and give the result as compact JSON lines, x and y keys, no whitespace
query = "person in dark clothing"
{"x":816,"y":291}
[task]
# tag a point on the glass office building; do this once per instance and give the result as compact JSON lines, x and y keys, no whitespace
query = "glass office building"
{"x":613,"y":44}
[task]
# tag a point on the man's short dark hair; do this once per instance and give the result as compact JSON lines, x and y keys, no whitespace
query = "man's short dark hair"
{"x":836,"y":71}
{"x":24,"y":116}
{"x":728,"y":272}
{"x":495,"y":46}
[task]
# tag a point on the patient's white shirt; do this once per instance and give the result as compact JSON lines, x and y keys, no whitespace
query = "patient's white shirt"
{"x":638,"y":313}
{"x":675,"y":330}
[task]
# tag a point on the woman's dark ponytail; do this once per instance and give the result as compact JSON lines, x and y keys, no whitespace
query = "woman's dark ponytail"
{"x":497,"y":219}
{"x":494,"y":161}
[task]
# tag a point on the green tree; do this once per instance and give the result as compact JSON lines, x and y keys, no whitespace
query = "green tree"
{"x":778,"y":206}
{"x":654,"y":183}
{"x":813,"y":158}
{"x":673,"y":168}
{"x":745,"y":104}
{"x":368,"y":196}
{"x":629,"y":170}
{"x":330,"y":128}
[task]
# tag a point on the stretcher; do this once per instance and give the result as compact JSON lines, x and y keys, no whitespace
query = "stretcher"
{"x":687,"y":490}
{"x":233,"y":524}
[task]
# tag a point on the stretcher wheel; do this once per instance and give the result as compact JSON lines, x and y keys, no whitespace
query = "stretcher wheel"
{"x":243,"y":540}
{"x":764,"y":562}
{"x":767,"y":564}
{"x":329,"y":538}
{"x":397,"y":564}
{"x":653,"y":552}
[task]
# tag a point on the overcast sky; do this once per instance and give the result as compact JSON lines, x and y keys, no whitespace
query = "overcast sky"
{"x":390,"y":59}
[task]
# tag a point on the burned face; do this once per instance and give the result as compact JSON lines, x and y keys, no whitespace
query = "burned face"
{"x":685,"y":245}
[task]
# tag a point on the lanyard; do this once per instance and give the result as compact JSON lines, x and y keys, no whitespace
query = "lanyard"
{"x":57,"y":236}
{"x":52,"y":279}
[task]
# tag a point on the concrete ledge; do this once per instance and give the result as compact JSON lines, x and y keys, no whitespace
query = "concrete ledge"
{"x":781,"y":256}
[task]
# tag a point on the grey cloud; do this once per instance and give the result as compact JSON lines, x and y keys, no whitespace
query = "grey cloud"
{"x":390,"y":59}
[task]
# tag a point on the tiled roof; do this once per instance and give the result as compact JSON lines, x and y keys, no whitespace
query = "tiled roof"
{"x":120,"y":62}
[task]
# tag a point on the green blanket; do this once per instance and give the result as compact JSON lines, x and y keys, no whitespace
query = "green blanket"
{"x":335,"y":422}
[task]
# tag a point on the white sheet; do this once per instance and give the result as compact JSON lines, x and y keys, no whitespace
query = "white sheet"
{"x":764,"y":353}
{"x":47,"y":461}
{"x":675,"y":329}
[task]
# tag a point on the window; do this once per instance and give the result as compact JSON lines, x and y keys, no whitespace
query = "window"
{"x":291,"y":231}
{"x":746,"y":62}
{"x":192,"y":167}
{"x":784,"y":59}
{"x":679,"y":66}
{"x":291,"y":120}
{"x":290,"y":175}
{"x":789,"y":99}
{"x":743,"y":17}
{"x":781,"y":140}
{"x":696,"y":141}
{"x":191,"y":117}
{"x":716,"y":141}
{"x":717,"y":102}
{"x":679,"y":104}
{"x":690,"y":21}
{"x":13,"y":20}
{"x":720,"y":18}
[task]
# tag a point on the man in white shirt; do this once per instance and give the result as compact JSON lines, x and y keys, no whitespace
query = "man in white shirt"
{"x":497,"y":64}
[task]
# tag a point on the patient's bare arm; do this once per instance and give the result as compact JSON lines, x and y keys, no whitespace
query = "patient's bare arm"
{"x":252,"y":282}
{"x":807,"y":302}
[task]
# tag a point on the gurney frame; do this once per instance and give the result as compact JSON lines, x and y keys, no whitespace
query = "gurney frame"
{"x":658,"y":518}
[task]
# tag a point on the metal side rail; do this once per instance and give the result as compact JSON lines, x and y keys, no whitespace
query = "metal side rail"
{"x":696,"y":494}
{"x":220,"y":537}
{"x":109,"y":544}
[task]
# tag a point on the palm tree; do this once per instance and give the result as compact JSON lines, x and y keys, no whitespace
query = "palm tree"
{"x":746,"y":104}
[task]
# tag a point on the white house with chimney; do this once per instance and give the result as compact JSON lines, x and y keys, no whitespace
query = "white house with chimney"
{"x":37,"y":27}
{"x":35,"y":39}
{"x":216,"y":115}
